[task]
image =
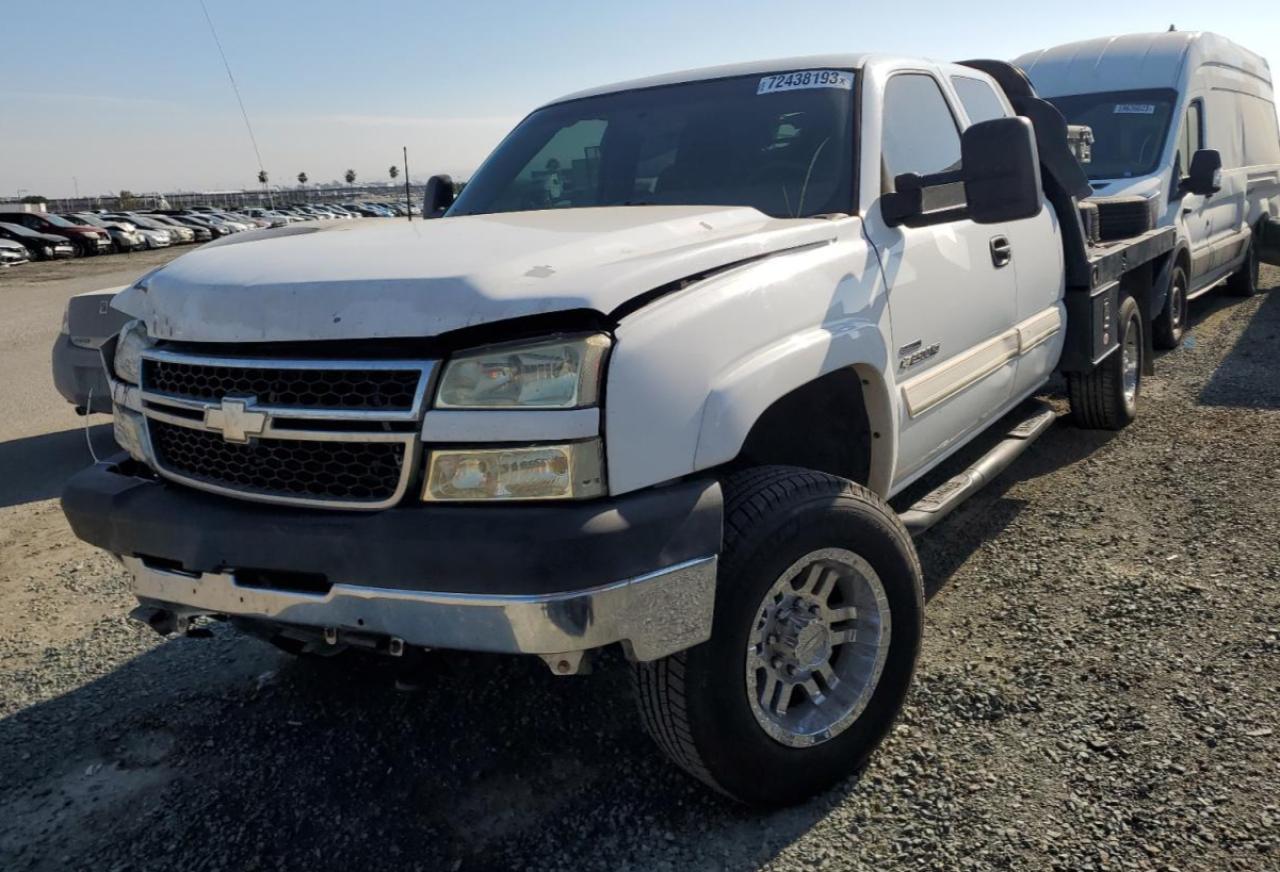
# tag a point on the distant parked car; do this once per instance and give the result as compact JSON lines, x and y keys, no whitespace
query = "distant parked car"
{"x":41,"y":246}
{"x":124,"y":236}
{"x":155,"y":233}
{"x":87,"y":323}
{"x":362,"y":210}
{"x":13,"y":253}
{"x":199,"y":234}
{"x":87,"y":240}
{"x":200,"y":221}
{"x":271,"y":216}
{"x":177,"y":233}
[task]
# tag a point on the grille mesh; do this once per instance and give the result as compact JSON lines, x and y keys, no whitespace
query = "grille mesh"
{"x":333,"y":471}
{"x":358,"y":389}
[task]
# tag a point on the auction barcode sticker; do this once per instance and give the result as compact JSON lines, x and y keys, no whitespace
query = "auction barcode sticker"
{"x":1135,"y":109}
{"x":806,"y":79}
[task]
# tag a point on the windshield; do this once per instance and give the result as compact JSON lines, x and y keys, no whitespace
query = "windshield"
{"x":92,"y":220}
{"x":1129,"y":129}
{"x":781,"y":143}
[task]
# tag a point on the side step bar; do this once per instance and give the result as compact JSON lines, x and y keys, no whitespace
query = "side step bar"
{"x":942,"y":500}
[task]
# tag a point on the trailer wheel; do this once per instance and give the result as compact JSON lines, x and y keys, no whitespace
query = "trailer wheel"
{"x":1171,"y":323}
{"x":817,"y":626}
{"x":1244,"y":281}
{"x":1107,"y":398}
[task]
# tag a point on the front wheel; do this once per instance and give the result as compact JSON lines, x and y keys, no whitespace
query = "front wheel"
{"x":818,"y":619}
{"x":1107,"y":397}
{"x":1171,"y":323}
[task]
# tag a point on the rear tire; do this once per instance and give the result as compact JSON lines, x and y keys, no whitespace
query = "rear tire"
{"x":1171,"y":323}
{"x":1244,"y":281}
{"x":1107,"y":397}
{"x":819,"y":587}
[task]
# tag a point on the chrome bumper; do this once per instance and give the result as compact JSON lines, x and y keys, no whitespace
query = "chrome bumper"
{"x":652,"y":615}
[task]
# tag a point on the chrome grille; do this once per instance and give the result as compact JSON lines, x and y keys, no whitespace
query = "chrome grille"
{"x":329,"y":433}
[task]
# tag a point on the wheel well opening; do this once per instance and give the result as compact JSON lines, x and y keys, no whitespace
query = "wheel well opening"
{"x":822,"y":425}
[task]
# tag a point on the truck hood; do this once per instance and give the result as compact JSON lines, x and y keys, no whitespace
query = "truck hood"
{"x":369,"y":280}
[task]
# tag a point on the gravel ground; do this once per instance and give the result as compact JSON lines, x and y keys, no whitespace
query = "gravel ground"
{"x":1099,"y":689}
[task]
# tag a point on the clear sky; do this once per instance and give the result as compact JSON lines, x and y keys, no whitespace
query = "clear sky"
{"x":133,"y":95}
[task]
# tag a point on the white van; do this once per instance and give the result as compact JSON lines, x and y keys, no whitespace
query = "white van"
{"x":1161,"y":105}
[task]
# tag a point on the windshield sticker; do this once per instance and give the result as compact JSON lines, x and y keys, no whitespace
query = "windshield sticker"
{"x":800,"y":79}
{"x":1135,"y":109}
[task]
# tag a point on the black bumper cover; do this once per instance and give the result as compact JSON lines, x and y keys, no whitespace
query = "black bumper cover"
{"x":492,"y":549}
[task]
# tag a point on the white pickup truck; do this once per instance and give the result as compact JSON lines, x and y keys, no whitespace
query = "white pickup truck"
{"x":650,"y":381}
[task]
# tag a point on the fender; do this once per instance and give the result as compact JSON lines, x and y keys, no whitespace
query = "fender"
{"x":725,"y":348}
{"x":742,"y":394}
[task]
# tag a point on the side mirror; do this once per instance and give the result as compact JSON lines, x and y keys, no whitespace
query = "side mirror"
{"x":905,"y":202}
{"x":438,"y":196}
{"x":1001,"y":168}
{"x":1205,"y":176}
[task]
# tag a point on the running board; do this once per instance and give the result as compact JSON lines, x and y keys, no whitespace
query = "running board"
{"x":942,"y":500}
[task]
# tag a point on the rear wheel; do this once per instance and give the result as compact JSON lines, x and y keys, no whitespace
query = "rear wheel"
{"x":819,"y":609}
{"x":1171,"y":323}
{"x":1107,"y":397}
{"x":1244,"y":281}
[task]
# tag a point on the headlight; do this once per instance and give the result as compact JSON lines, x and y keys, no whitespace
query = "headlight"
{"x":542,"y":472}
{"x":128,"y":359}
{"x":555,"y":374}
{"x":48,"y":250}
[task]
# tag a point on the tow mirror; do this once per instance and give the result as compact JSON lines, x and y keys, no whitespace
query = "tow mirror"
{"x":438,"y":196}
{"x":1001,"y":170}
{"x":1205,"y":176}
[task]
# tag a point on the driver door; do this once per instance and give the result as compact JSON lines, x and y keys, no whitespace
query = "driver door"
{"x":952,"y":288}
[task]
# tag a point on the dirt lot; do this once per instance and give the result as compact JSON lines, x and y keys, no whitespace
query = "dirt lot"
{"x":1100,"y":688}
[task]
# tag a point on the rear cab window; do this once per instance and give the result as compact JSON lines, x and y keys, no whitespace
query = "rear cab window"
{"x":980,"y":101}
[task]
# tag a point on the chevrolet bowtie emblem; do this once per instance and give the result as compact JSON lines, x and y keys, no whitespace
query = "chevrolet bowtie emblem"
{"x":236,"y":419}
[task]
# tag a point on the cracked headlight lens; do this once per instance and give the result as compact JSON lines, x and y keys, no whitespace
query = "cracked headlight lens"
{"x":537,"y":472}
{"x":544,"y":374}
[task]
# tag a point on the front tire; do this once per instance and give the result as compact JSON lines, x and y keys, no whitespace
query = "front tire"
{"x":1107,"y":397}
{"x":1171,"y":323}
{"x":818,"y":619}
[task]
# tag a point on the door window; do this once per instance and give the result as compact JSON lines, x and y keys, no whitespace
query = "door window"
{"x":1192,"y":138}
{"x":920,"y":133}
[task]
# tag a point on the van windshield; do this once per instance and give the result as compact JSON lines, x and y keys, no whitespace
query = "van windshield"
{"x":1129,"y":129}
{"x":782,"y":143}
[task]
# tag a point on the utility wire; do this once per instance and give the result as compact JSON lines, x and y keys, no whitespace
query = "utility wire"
{"x":253,"y":139}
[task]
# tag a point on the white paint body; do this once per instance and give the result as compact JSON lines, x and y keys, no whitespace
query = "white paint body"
{"x":691,"y":371}
{"x":1232,"y":86}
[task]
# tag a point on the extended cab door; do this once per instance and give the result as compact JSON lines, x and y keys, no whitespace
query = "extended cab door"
{"x":951,"y":284}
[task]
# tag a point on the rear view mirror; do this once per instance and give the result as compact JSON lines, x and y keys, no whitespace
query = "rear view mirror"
{"x":438,"y":196}
{"x":1001,"y":169}
{"x":1205,"y":176}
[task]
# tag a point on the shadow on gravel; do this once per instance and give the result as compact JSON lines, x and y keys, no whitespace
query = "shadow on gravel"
{"x":1246,"y":376}
{"x":984,"y":516}
{"x":228,"y":755}
{"x":37,"y":467}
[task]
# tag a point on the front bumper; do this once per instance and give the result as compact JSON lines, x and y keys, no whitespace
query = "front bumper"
{"x":540,"y":579}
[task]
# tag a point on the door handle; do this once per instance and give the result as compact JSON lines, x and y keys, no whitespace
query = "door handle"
{"x":1001,"y":251}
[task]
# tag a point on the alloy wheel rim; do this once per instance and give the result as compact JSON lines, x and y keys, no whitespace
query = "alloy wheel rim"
{"x":1132,"y":356}
{"x":817,"y":648}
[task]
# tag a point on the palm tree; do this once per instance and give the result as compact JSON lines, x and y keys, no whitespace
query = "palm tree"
{"x":262,"y":177}
{"x":302,"y":179}
{"x":393,"y":171}
{"x":350,"y":177}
